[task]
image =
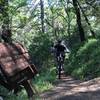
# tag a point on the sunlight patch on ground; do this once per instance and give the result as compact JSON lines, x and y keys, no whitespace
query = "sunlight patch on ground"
{"x":70,"y":87}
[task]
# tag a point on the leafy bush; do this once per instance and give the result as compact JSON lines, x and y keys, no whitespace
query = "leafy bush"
{"x":40,"y":51}
{"x":8,"y":95}
{"x":84,"y":61}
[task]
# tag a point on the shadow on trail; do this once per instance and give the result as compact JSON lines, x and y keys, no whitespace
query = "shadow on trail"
{"x":70,"y":89}
{"x":95,"y":95}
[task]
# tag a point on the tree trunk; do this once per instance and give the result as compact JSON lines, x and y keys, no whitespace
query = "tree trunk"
{"x":6,"y":31}
{"x":87,"y":21}
{"x":78,"y":16}
{"x":5,"y":14}
{"x":42,"y":15}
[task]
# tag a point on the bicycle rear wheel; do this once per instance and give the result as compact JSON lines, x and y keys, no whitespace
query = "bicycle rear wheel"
{"x":59,"y":71}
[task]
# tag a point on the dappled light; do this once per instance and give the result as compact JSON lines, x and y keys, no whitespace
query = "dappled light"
{"x":71,"y":89}
{"x":50,"y":49}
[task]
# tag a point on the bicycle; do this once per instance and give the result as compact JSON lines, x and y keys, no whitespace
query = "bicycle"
{"x":60,"y":61}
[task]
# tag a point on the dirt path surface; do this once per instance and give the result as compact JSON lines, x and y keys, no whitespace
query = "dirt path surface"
{"x":70,"y":89}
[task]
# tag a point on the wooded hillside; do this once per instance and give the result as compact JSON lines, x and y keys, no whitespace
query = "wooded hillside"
{"x":38,"y":24}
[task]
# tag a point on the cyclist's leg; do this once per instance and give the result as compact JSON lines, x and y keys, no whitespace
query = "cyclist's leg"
{"x":62,"y":62}
{"x":58,"y":64}
{"x":63,"y":56}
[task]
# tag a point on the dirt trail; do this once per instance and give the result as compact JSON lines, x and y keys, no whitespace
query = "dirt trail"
{"x":70,"y":89}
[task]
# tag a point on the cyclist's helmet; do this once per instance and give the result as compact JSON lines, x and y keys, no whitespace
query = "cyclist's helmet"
{"x":59,"y":41}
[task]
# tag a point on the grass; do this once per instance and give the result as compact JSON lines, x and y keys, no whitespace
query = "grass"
{"x":42,"y":82}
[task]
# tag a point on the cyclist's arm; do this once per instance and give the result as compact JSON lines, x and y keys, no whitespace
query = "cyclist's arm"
{"x":66,"y":49}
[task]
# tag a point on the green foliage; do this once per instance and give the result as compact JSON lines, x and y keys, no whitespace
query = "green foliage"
{"x":25,"y":22}
{"x":44,"y":81}
{"x":84,"y":61}
{"x":40,"y":50}
{"x":8,"y":95}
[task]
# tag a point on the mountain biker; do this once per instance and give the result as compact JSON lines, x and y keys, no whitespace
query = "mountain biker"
{"x":60,"y":48}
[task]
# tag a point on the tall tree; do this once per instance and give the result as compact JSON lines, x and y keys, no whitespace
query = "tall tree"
{"x":78,"y":16}
{"x":6,"y":31}
{"x":42,"y":14}
{"x":5,"y":14}
{"x":87,"y":21}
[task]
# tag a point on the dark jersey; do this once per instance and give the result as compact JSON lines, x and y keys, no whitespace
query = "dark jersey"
{"x":60,"y":48}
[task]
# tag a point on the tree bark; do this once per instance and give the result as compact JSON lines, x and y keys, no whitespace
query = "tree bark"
{"x":6,"y":31}
{"x":42,"y":15}
{"x":87,"y":21}
{"x":78,"y":16}
{"x":69,"y":19}
{"x":5,"y":14}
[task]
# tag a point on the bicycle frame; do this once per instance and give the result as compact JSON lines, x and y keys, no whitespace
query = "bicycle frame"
{"x":60,"y":65}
